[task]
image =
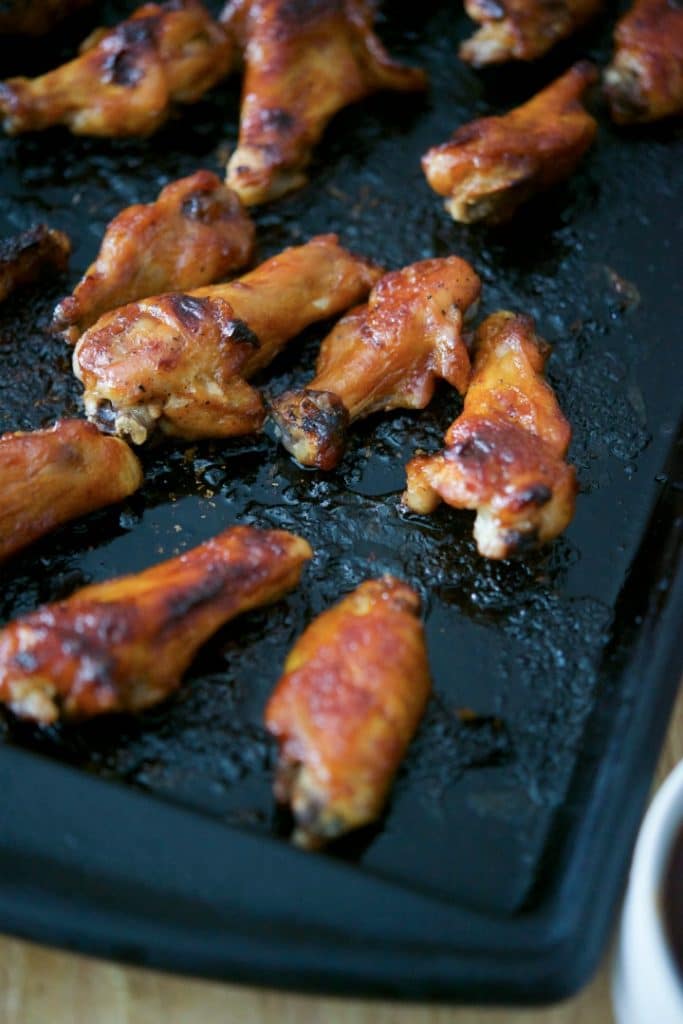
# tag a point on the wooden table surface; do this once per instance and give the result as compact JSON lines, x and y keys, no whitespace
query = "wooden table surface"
{"x":43,"y":986}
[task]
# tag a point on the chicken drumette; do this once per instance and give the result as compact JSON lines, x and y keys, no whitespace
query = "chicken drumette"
{"x":492,"y":165}
{"x":505,"y":454}
{"x":125,"y":644}
{"x":48,"y":477}
{"x":34,"y":17}
{"x":126,"y":78}
{"x":182,"y":361}
{"x":387,"y":354}
{"x":645,"y":79}
{"x":26,"y":257}
{"x":304,"y":61}
{"x":196,"y":232}
{"x":522,"y":29}
{"x":353,"y":692}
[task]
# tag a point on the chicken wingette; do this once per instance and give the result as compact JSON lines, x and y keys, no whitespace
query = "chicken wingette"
{"x":194,"y":233}
{"x":354,"y":689}
{"x":126,"y":79}
{"x":35,"y":17}
{"x":26,"y":257}
{"x":505,"y":454}
{"x":493,"y":165}
{"x":181,"y":362}
{"x":304,"y":61}
{"x":522,"y":29}
{"x":387,"y":354}
{"x":48,"y":477}
{"x":124,"y":645}
{"x":644,"y":81}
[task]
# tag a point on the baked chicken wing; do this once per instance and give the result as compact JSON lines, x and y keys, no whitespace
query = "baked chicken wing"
{"x":505,"y":454}
{"x":35,"y":17}
{"x":644,"y":82}
{"x":26,"y":257}
{"x":126,"y":78}
{"x":181,"y":361}
{"x":48,"y":477}
{"x":305,"y":60}
{"x":196,"y":232}
{"x":493,"y":165}
{"x":387,"y":354}
{"x":124,"y":645}
{"x":354,"y":689}
{"x":522,"y":29}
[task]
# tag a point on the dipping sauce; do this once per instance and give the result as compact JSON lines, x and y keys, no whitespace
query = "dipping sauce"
{"x":672,"y":900}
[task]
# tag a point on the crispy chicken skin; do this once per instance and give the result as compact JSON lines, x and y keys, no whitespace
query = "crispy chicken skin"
{"x":196,"y":232}
{"x":493,"y":165}
{"x":124,"y":645}
{"x":504,"y":454}
{"x":48,"y":477}
{"x":35,"y":17}
{"x":522,"y":29}
{"x":126,"y":78}
{"x":181,"y":361}
{"x":354,"y":689}
{"x":387,"y":354}
{"x":644,"y":82}
{"x":26,"y":257}
{"x":305,"y":60}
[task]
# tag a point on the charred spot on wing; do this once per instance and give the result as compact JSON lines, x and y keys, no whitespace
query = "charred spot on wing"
{"x":190,"y":310}
{"x":536,"y":494}
{"x":105,"y":416}
{"x":204,"y":206}
{"x":208,"y":588}
{"x":277,"y":120}
{"x":241,"y":333}
{"x":131,"y":40}
{"x":475,"y":447}
{"x":519,"y":542}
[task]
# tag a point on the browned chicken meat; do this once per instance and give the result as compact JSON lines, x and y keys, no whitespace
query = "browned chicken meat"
{"x":505,"y":454}
{"x":645,"y":79}
{"x":493,"y":165}
{"x":196,"y":232}
{"x":26,"y":257}
{"x":387,"y":354}
{"x":181,"y":361}
{"x":305,"y":60}
{"x":353,"y":692}
{"x":124,"y":645}
{"x":48,"y":477}
{"x":522,"y":29}
{"x":126,"y":78}
{"x":35,"y":17}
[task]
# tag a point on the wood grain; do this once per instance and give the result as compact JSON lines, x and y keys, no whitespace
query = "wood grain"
{"x":42,"y":986}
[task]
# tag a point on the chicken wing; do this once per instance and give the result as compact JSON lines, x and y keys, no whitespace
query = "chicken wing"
{"x":196,"y":232}
{"x":26,"y":257}
{"x":644,"y":82}
{"x":305,"y":61}
{"x":35,"y":17}
{"x":181,"y":362}
{"x":124,"y":645}
{"x":522,"y":29}
{"x":126,"y":78}
{"x":48,"y":477}
{"x":353,"y":692}
{"x":385,"y":355}
{"x":504,"y":455}
{"x":493,"y":165}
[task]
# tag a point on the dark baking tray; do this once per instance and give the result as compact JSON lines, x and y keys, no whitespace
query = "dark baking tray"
{"x":495,"y":873}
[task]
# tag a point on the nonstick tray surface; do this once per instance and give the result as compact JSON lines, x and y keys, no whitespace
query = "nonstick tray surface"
{"x":495,"y":873}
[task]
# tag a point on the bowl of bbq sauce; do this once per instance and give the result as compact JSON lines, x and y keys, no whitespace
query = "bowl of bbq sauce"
{"x":647,"y":981}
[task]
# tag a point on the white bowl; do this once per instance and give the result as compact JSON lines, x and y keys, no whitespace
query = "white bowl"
{"x":646,"y":984}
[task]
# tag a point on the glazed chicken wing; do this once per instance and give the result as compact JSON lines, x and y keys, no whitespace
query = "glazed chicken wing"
{"x":493,"y":165}
{"x":26,"y":257}
{"x":35,"y":17}
{"x":196,"y":232}
{"x":645,"y":79}
{"x":48,"y":477}
{"x":385,"y":355}
{"x":124,"y":645}
{"x":126,"y":78}
{"x":504,"y":454}
{"x":522,"y":29}
{"x":353,"y":692}
{"x":181,"y":362}
{"x":305,"y":60}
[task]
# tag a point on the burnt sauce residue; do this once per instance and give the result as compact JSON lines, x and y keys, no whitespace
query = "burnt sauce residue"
{"x":672,"y":900}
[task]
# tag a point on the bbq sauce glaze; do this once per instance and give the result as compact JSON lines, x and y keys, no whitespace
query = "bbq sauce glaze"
{"x":672,"y":900}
